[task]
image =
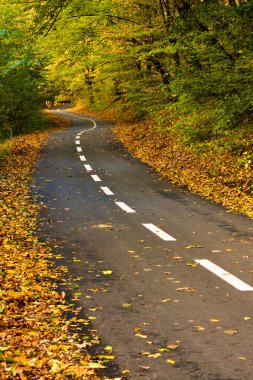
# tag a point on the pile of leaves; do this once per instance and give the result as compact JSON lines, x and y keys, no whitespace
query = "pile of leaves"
{"x":36,"y":340}
{"x":220,"y":169}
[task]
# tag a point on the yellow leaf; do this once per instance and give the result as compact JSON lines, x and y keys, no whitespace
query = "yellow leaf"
{"x":199,"y":328}
{"x":231,"y":332}
{"x":107,"y":272}
{"x":192,"y":264}
{"x":170,"y":361}
{"x":95,"y":365}
{"x":185,"y":289}
{"x":141,"y":335}
{"x":193,"y":246}
{"x":154,"y":356}
{"x":173,"y":346}
{"x":53,"y":347}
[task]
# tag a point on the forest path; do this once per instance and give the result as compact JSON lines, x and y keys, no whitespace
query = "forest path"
{"x":164,"y":276}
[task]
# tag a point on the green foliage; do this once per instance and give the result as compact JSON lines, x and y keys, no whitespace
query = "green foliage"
{"x":21,"y":79}
{"x":20,"y":101}
{"x":186,"y":63}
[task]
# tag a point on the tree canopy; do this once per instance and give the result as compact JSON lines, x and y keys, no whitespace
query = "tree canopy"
{"x":188,"y":63}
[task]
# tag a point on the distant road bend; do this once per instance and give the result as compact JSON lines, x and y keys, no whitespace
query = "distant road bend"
{"x":166,"y":276}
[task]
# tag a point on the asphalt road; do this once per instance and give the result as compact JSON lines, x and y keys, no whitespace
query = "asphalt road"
{"x":166,"y":277}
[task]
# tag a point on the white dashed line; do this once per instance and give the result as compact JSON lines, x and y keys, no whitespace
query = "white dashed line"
{"x":78,"y":142}
{"x":95,"y":178}
{"x":80,"y":117}
{"x":106,"y":190}
{"x":163,"y":235}
{"x":79,"y":149}
{"x":88,"y":168}
{"x":82,"y":158}
{"x":125,"y":207}
{"x":224,"y":275}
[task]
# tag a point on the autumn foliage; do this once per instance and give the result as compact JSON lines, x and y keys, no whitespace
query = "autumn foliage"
{"x":36,"y":341}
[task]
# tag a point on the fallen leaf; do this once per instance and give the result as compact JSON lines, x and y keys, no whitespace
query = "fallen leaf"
{"x":241,"y":358}
{"x":95,"y":365}
{"x":170,"y":361}
{"x":193,"y":246}
{"x":102,"y":226}
{"x":106,"y":357}
{"x":173,"y":346}
{"x":155,"y":356}
{"x":126,"y":305}
{"x":141,"y":335}
{"x":185,"y":289}
{"x":192,"y":264}
{"x":199,"y":328}
{"x":107,"y":272}
{"x":231,"y":332}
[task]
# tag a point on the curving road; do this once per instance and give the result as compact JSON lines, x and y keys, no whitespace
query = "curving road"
{"x":164,"y":276}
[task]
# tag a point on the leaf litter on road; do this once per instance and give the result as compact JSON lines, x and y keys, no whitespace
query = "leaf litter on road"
{"x":37,"y":341}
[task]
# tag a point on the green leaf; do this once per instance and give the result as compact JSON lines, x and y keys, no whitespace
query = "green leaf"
{"x":107,"y":357}
{"x":2,"y":348}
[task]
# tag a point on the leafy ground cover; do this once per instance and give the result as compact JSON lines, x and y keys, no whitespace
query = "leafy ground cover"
{"x":37,"y":341}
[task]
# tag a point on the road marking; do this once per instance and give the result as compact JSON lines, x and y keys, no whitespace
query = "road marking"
{"x":78,"y":142}
{"x":163,"y":235}
{"x":82,"y":158}
{"x":88,"y":168}
{"x":125,"y":207}
{"x":80,"y":117}
{"x":79,"y":149}
{"x":224,"y":275}
{"x":106,"y":190}
{"x":95,"y":178}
